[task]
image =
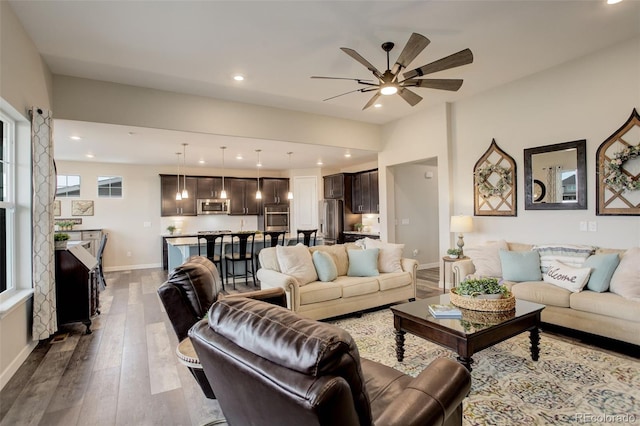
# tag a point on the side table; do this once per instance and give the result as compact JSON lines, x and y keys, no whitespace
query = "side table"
{"x":446,"y":276}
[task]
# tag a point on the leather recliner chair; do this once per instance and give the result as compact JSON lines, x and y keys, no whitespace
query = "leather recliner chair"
{"x":269,"y":366}
{"x":189,"y":291}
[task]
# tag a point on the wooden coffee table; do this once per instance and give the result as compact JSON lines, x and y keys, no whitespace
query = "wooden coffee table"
{"x":474,"y":332}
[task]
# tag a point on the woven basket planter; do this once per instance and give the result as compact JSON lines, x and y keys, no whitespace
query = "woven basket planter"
{"x":489,"y":305}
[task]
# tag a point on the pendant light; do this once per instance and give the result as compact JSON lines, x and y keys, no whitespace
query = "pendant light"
{"x":178,"y":193}
{"x":289,"y":193}
{"x":258,"y":165}
{"x":185,"y":193}
{"x":223,"y":193}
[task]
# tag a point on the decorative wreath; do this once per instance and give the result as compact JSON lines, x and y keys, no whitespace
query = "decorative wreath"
{"x":485,"y":188}
{"x":616,"y":177}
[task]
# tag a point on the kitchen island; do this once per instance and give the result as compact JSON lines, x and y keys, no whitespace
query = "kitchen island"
{"x":181,"y":247}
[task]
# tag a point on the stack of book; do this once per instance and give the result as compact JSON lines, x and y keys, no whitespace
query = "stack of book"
{"x":445,"y":311}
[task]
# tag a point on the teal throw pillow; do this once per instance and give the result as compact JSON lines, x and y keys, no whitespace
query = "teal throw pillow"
{"x":520,"y":266}
{"x":325,"y":266}
{"x":602,"y":268}
{"x":363,"y":263}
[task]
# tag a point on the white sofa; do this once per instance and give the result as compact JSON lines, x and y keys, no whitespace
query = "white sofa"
{"x":601,"y":313}
{"x":345,"y":294}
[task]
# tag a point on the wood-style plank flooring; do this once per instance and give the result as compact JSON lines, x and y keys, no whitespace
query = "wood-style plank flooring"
{"x":124,"y":373}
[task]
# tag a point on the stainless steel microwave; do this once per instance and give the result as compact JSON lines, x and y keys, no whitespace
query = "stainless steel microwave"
{"x":213,"y":206}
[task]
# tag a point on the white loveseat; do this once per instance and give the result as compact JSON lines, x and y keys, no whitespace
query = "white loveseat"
{"x":345,"y":294}
{"x":604,"y":313}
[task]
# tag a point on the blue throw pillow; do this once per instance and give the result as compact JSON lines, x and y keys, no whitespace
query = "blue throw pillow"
{"x":520,"y":266}
{"x":363,"y":263}
{"x":325,"y":266}
{"x":602,"y":268}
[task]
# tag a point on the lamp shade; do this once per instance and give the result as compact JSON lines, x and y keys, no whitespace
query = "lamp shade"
{"x":461,"y":224}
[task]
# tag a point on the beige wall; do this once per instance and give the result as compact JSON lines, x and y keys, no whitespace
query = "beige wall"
{"x":103,"y":102}
{"x":24,"y":82}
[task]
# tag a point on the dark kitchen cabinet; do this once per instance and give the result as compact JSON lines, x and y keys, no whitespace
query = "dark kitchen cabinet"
{"x":274,"y":191}
{"x":334,"y":186}
{"x":364,"y":192}
{"x":242,"y":193}
{"x":209,"y":187}
{"x":168,"y":188}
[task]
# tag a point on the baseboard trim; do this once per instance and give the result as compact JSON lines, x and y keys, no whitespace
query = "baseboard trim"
{"x":8,"y":373}
{"x":130,"y":267}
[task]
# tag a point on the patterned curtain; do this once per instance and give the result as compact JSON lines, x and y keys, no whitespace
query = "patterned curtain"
{"x":44,"y":190}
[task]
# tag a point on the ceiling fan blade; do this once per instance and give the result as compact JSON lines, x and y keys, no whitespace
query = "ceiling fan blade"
{"x":340,"y":78}
{"x":355,"y":55}
{"x":342,"y":94}
{"x":372,"y":100}
{"x":409,"y":96}
{"x":462,"y":57}
{"x":415,"y":45}
{"x":452,"y":84}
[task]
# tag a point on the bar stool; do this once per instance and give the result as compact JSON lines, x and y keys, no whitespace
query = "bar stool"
{"x":242,"y":251}
{"x":307,"y":234}
{"x":216,"y":258}
{"x":274,"y":239}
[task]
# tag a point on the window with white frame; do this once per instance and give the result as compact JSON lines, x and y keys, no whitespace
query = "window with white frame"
{"x":7,"y":204}
{"x":68,"y":186}
{"x":110,"y":186}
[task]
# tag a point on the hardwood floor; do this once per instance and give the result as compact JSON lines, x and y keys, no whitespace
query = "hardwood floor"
{"x":124,"y":373}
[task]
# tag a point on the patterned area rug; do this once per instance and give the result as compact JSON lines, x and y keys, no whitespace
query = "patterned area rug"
{"x":570,"y":384}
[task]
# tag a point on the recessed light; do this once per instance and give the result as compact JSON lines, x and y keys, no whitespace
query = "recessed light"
{"x":613,"y":1}
{"x":377,"y":105}
{"x":319,"y":163}
{"x":76,"y":138}
{"x":347,"y":154}
{"x":238,"y":77}
{"x":90,"y":155}
{"x":239,"y":157}
{"x":201,"y":161}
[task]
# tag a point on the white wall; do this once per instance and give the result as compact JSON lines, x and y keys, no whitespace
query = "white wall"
{"x":416,"y":196}
{"x":589,"y":98}
{"x":24,"y":82}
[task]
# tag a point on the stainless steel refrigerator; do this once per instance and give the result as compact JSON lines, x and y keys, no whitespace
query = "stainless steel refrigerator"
{"x":331,"y":220}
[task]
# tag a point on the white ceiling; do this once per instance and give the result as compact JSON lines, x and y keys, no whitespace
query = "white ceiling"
{"x":197,"y":46}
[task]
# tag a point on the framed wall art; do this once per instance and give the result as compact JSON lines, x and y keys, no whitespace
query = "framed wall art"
{"x":618,"y":171}
{"x":495,"y":183}
{"x":82,"y":208}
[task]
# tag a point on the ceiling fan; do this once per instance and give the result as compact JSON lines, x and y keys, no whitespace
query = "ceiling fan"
{"x":390,"y":82}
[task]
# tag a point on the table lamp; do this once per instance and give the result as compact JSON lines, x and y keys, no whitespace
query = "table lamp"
{"x":461,"y":224}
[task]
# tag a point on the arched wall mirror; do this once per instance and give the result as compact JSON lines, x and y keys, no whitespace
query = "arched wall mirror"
{"x":555,"y":176}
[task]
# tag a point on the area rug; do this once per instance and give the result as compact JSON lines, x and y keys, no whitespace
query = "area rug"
{"x":570,"y":384}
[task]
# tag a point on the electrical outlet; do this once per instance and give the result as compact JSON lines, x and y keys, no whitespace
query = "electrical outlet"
{"x":415,"y":252}
{"x":146,"y":224}
{"x":405,"y":221}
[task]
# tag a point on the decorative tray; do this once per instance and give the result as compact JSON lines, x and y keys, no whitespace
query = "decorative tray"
{"x":490,"y":305}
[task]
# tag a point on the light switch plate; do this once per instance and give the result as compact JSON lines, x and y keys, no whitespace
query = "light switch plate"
{"x":593,"y":226}
{"x":583,"y":225}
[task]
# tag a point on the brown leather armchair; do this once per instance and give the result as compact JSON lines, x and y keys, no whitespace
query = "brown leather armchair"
{"x":189,"y":291}
{"x":269,"y":366}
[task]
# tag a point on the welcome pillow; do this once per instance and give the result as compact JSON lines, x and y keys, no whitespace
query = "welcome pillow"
{"x":390,"y":256}
{"x":567,"y":277}
{"x":486,"y":258}
{"x":569,"y":254}
{"x":296,"y":261}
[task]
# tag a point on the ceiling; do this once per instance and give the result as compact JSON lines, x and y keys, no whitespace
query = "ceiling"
{"x":196,"y":47}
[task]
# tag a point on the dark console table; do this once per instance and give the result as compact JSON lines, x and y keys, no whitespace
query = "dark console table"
{"x":77,"y":295}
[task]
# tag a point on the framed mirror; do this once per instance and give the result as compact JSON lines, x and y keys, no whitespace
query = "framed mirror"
{"x":555,"y":176}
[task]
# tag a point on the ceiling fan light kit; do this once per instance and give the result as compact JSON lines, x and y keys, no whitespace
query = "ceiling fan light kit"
{"x":389,"y":82}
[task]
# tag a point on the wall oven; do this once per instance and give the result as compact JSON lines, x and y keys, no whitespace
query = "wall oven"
{"x":276,"y":218}
{"x":213,"y":206}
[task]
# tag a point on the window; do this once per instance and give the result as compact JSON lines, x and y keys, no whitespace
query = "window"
{"x":68,"y":186}
{"x":7,"y":208}
{"x":110,"y":186}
